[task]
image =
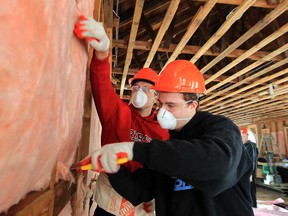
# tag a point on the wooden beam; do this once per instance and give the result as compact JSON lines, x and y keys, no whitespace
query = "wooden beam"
{"x":148,"y":27}
{"x":250,"y":67}
{"x":254,"y":30}
{"x":108,"y":22}
{"x":258,"y":3}
{"x":193,"y":26}
{"x":255,"y":119}
{"x":37,"y":203}
{"x":137,"y":59}
{"x":252,"y":50}
{"x":223,"y":29}
{"x":205,"y":31}
{"x":215,"y":106}
{"x":154,"y":7}
{"x":63,"y":193}
{"x":258,"y":121}
{"x":240,"y":99}
{"x":252,"y":108}
{"x":273,"y":2}
{"x":206,"y":34}
{"x":191,"y":49}
{"x":87,"y":124}
{"x":135,"y":24}
{"x":271,"y":113}
{"x":281,"y":41}
{"x":151,"y":34}
{"x":272,"y":108}
{"x":249,"y":105}
{"x":168,"y":38}
{"x":170,"y":13}
{"x":133,"y":71}
{"x":250,"y":78}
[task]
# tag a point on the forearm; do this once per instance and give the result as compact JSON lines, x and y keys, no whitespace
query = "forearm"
{"x":135,"y":187}
{"x":101,"y":55}
{"x":106,"y":100}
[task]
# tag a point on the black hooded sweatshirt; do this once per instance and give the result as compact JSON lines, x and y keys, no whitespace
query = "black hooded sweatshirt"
{"x":201,"y":170}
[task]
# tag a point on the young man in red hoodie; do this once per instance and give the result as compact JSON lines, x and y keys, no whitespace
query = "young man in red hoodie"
{"x":120,"y":121}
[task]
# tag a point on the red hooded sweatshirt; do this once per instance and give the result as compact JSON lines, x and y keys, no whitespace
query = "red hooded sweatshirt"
{"x":120,"y":122}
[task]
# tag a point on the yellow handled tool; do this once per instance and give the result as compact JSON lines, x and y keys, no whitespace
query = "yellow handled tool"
{"x":85,"y":164}
{"x":90,"y":167}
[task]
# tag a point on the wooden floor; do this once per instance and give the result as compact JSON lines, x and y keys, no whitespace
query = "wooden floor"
{"x":264,"y":194}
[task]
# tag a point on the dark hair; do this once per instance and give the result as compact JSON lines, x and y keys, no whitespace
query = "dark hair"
{"x":192,"y":97}
{"x":137,"y":80}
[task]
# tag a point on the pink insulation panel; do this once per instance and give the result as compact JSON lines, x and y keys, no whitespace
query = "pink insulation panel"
{"x":42,"y":83}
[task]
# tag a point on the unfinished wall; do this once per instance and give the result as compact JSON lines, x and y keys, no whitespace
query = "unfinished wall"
{"x":42,"y":80}
{"x":278,"y":129}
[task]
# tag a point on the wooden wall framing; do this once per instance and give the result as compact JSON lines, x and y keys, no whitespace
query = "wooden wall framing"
{"x":52,"y":200}
{"x":279,"y":130}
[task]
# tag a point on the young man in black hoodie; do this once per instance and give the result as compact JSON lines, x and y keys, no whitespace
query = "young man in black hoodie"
{"x":253,"y":153}
{"x":202,"y":170}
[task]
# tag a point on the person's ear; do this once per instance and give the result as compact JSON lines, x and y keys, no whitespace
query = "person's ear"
{"x":155,"y":98}
{"x":194,"y":105}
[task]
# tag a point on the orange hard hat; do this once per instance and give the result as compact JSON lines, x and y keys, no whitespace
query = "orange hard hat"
{"x":244,"y":130}
{"x":145,"y":74}
{"x":181,"y":76}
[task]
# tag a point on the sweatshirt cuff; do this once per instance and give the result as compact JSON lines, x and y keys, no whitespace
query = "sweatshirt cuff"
{"x":99,"y":67}
{"x":100,"y":60}
{"x":115,"y":176}
{"x":140,"y":152}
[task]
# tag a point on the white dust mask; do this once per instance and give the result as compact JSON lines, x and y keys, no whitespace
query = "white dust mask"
{"x":167,"y":120}
{"x":139,"y":99}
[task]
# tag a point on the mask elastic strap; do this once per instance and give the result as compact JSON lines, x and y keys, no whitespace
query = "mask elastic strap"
{"x":182,"y":119}
{"x":141,"y":90}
